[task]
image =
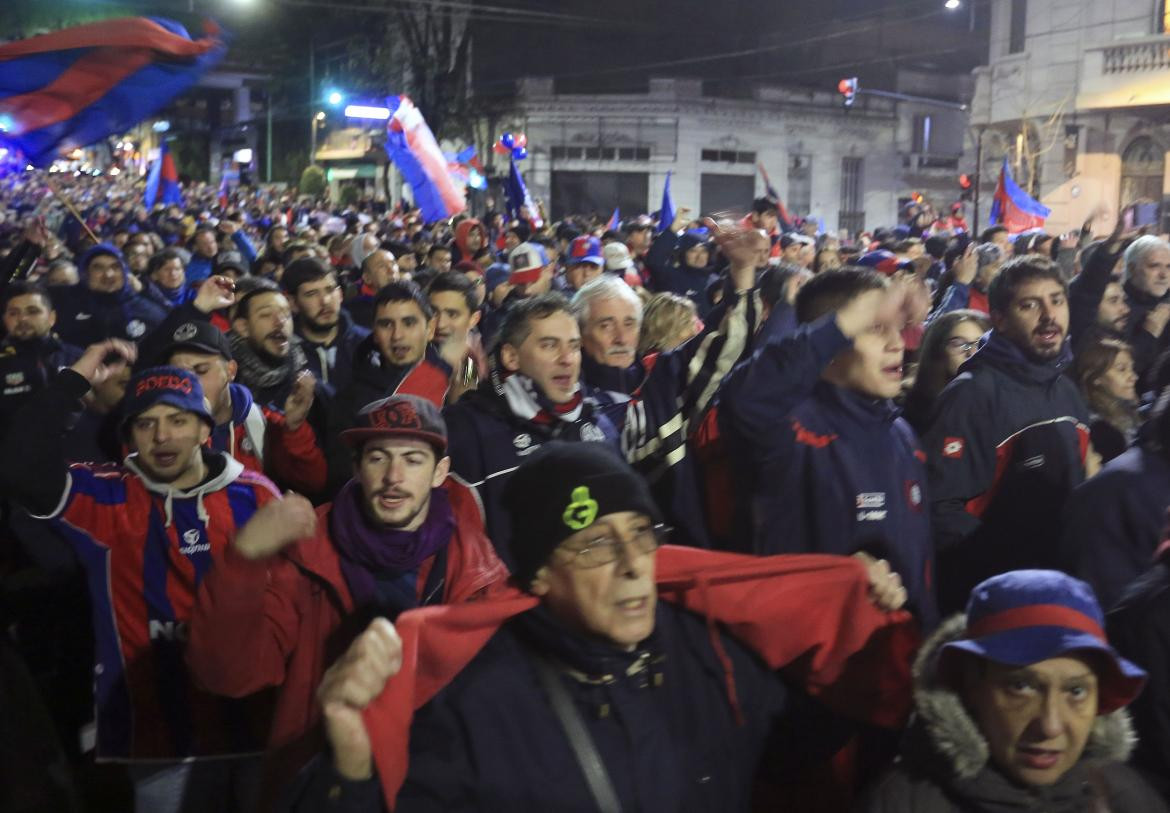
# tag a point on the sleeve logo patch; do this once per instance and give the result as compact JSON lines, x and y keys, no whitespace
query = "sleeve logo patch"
{"x":953,"y":448}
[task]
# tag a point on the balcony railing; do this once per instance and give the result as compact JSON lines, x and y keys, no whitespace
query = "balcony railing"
{"x":1130,"y":73}
{"x":1135,"y":57}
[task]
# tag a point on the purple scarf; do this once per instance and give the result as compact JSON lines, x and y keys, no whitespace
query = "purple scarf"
{"x":368,"y":551}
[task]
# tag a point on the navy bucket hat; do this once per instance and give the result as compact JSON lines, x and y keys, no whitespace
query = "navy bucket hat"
{"x":1027,"y":616}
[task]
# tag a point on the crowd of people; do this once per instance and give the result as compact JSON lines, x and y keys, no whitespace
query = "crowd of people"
{"x":315,"y":507}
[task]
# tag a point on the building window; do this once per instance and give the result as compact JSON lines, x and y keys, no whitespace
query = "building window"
{"x":728,"y":156}
{"x":563,"y":153}
{"x":1019,"y":29}
{"x":799,"y":185}
{"x":921,"y":141}
{"x":851,"y":217}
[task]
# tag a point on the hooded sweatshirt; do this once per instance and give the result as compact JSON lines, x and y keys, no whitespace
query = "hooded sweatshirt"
{"x":462,"y":231}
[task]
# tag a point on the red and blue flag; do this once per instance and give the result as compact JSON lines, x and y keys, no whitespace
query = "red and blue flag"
{"x":412,"y":147}
{"x":615,"y":220}
{"x":1013,"y":207}
{"x":79,"y":85}
{"x":163,"y":181}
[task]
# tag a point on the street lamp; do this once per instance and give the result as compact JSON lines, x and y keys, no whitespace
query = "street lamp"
{"x":317,"y":122}
{"x":335,"y":98}
{"x":952,"y":4}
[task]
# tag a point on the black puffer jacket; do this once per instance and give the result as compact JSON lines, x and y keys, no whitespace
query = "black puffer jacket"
{"x":944,"y":764}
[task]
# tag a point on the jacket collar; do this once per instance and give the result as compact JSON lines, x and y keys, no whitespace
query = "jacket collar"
{"x":612,"y":379}
{"x":999,"y":352}
{"x":344,"y":326}
{"x":861,"y":408}
{"x":222,"y":467}
{"x":1137,"y":296}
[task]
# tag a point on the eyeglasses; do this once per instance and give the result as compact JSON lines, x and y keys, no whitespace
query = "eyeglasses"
{"x":605,"y":550}
{"x":961,"y":345}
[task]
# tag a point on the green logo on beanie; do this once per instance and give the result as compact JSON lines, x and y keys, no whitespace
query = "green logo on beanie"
{"x":581,"y":511}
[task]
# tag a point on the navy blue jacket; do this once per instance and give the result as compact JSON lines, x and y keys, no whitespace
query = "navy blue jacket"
{"x":333,"y":364}
{"x":1006,"y":446}
{"x":662,"y":724}
{"x":1115,"y":519}
{"x":1146,"y":346}
{"x":487,"y":441}
{"x":1139,"y":628}
{"x":669,"y":275}
{"x":26,"y":367}
{"x":823,"y":469}
{"x":85,"y":317}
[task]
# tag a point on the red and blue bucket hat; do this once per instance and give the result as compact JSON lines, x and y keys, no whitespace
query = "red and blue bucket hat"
{"x":1026,"y":616}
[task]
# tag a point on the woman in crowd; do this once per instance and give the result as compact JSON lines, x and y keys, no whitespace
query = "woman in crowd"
{"x":1020,"y":706}
{"x":950,"y":340}
{"x":668,"y":320}
{"x":1104,"y":372}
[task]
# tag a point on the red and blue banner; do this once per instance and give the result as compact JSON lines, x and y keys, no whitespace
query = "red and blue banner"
{"x":1013,"y":207}
{"x":163,"y":181}
{"x":412,"y":147}
{"x":615,"y":220}
{"x":79,"y":85}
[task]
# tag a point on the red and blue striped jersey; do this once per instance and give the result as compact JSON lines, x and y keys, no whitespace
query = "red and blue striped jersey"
{"x":145,"y":548}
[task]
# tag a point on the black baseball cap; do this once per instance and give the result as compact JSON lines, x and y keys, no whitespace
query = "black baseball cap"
{"x":199,"y":336}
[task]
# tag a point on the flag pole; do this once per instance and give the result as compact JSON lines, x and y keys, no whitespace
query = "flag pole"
{"x":57,"y":194}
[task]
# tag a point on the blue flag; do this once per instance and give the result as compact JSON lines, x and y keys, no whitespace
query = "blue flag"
{"x":666,"y":216}
{"x":164,"y":179}
{"x":615,"y":220}
{"x":79,"y":85}
{"x":517,"y":193}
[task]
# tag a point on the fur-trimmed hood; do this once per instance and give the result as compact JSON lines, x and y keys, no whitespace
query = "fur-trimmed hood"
{"x":943,"y":731}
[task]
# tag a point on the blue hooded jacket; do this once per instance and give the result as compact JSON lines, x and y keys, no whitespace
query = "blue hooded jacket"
{"x":85,"y":317}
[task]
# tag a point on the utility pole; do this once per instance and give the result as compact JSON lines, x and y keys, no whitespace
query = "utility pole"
{"x":978,"y":179}
{"x":268,"y":141}
{"x":312,"y":102}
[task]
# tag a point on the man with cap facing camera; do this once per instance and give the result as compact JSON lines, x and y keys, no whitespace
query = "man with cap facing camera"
{"x":585,"y":262}
{"x":587,"y":667}
{"x":297,"y":585}
{"x":145,"y":533}
{"x":532,"y":270}
{"x":1020,"y":707}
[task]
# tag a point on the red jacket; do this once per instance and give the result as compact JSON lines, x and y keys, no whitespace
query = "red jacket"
{"x":809,"y":614}
{"x":280,"y":622}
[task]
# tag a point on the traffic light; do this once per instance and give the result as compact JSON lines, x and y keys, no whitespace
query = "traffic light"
{"x":848,"y":89}
{"x":965,"y":184}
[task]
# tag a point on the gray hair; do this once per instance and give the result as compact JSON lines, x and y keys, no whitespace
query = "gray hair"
{"x":1136,"y":254}
{"x":607,"y":286}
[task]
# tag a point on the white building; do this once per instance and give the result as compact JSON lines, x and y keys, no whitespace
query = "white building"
{"x":597,"y":152}
{"x":1087,"y":83}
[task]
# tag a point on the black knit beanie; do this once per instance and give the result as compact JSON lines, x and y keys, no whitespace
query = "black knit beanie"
{"x":564,"y":488}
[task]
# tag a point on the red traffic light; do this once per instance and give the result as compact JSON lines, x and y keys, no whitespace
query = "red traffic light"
{"x":964,"y":181}
{"x":848,"y":89}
